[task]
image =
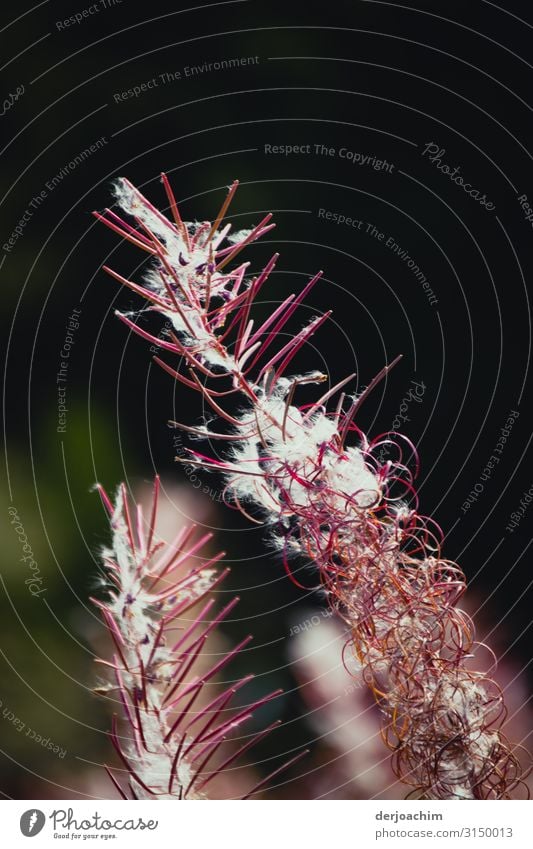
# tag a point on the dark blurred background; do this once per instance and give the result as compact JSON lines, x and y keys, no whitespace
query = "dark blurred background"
{"x":358,"y":80}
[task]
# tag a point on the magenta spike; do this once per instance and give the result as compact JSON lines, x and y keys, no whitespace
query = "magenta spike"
{"x":258,"y":230}
{"x":125,"y":234}
{"x":225,"y":699}
{"x":172,"y":297}
{"x":216,"y":737}
{"x":231,"y":251}
{"x":246,"y":356}
{"x":291,"y":308}
{"x":208,"y":434}
{"x":182,"y":714}
{"x":192,"y":360}
{"x":115,"y":782}
{"x":128,"y":518}
{"x":327,"y":395}
{"x":176,"y":375}
{"x":139,"y":290}
{"x":122,"y":693}
{"x":188,"y":294}
{"x":154,"y":340}
{"x":226,"y":659}
{"x":223,"y":209}
{"x":158,"y":245}
{"x":143,"y":201}
{"x":157,"y":641}
{"x":175,"y":549}
{"x":311,"y":329}
{"x":199,"y":232}
{"x":295,"y":343}
{"x":244,"y":311}
{"x":155,"y":499}
{"x":238,"y":306}
{"x":364,"y":395}
{"x":242,"y":341}
{"x":139,"y":721}
{"x":178,"y":558}
{"x":201,"y":766}
{"x":233,"y":757}
{"x":125,"y":226}
{"x":200,"y":618}
{"x":105,"y":500}
{"x":245,"y":713}
{"x":115,"y":633}
{"x":271,"y":319}
{"x":189,"y":580}
{"x":139,"y":526}
{"x":175,"y":211}
{"x":122,"y":756}
{"x":210,"y":707}
{"x":173,"y":768}
{"x":183,"y":606}
{"x":208,"y":397}
{"x":218,"y":618}
{"x":192,"y":657}
{"x":143,"y":677}
{"x":216,"y":240}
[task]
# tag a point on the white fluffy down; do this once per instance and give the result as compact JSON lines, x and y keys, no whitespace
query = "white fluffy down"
{"x":295,"y":455}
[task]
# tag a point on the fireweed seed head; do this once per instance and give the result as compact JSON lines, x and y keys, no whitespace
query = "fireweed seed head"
{"x":172,"y":741}
{"x":344,"y":501}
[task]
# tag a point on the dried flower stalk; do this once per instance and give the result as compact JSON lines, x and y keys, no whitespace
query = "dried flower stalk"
{"x":336,"y":503}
